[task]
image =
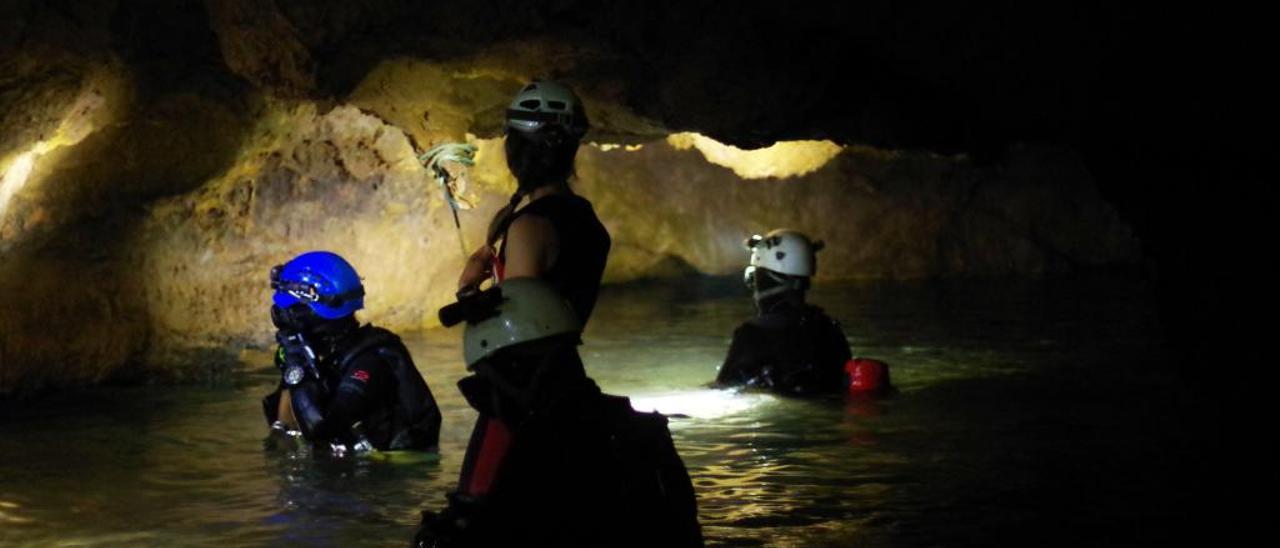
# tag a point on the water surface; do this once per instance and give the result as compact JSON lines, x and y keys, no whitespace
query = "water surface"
{"x":1028,"y":413}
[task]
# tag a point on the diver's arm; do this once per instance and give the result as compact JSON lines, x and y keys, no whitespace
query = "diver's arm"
{"x":419,"y":406}
{"x":284,"y":411}
{"x":277,"y":407}
{"x":737,"y":365}
{"x":272,"y":403}
{"x":531,"y":247}
{"x":838,"y":342}
{"x":307,"y":401}
{"x":362,"y":383}
{"x":832,"y":354}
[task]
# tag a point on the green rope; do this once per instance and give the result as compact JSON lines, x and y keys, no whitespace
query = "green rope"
{"x":434,"y":159}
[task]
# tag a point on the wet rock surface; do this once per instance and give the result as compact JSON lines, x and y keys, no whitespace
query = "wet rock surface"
{"x":883,"y":215}
{"x":159,"y":157}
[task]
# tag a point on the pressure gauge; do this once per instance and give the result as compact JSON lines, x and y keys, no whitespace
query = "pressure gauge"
{"x":293,"y":375}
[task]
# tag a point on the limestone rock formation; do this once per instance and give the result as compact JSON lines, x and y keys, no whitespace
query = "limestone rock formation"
{"x":341,"y":180}
{"x":884,"y":215}
{"x":157,"y":158}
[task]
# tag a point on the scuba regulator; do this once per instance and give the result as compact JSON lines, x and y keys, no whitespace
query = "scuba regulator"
{"x":296,"y":359}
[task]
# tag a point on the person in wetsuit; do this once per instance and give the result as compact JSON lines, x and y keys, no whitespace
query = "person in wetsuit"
{"x":344,"y":386}
{"x":581,"y":468}
{"x":790,"y":346}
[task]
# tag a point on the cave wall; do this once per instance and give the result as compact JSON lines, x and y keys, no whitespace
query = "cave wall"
{"x":882,"y":214}
{"x":172,"y":152}
{"x":341,"y":180}
{"x":348,"y":181}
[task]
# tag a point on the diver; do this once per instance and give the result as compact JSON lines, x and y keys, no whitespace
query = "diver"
{"x":582,"y":467}
{"x":555,"y":237}
{"x":790,"y":346}
{"x":345,"y":387}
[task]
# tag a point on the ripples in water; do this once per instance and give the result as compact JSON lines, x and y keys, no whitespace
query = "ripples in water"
{"x":999,"y":434}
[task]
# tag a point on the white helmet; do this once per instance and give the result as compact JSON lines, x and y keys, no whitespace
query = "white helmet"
{"x":543,"y":104}
{"x":784,"y":251}
{"x":529,"y":310}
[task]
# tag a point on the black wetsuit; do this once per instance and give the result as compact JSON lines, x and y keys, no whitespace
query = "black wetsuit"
{"x":371,"y":389}
{"x":795,"y":348}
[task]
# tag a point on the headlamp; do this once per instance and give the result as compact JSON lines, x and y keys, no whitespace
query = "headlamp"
{"x":308,"y":292}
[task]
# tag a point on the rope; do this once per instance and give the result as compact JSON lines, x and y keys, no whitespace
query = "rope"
{"x":434,"y":160}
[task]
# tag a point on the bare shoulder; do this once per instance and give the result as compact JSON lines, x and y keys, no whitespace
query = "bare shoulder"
{"x":531,"y":246}
{"x":531,"y":228}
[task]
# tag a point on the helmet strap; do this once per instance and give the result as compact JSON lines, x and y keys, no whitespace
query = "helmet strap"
{"x":773,"y":289}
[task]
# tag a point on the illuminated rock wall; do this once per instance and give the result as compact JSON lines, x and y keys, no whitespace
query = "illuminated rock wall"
{"x":342,"y":181}
{"x":156,"y":159}
{"x":82,"y":152}
{"x":883,"y":215}
{"x":348,"y":182}
{"x":183,"y":289}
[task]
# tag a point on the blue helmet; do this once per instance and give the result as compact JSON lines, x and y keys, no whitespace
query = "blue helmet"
{"x":323,"y":281}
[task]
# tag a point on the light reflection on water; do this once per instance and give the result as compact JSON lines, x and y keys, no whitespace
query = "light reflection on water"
{"x":989,"y":439}
{"x":702,"y":404}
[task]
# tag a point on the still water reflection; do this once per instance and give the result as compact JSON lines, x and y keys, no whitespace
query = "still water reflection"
{"x":1028,"y":413}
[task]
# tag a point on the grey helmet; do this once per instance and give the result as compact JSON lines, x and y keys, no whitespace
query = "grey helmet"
{"x":530,"y":310}
{"x":544,"y":104}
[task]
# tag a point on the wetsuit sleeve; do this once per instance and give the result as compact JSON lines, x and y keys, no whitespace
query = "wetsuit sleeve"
{"x":742,"y":362}
{"x":307,"y":400}
{"x":271,"y":405}
{"x":833,"y":352}
{"x":363,"y":382}
{"x":418,"y":410}
{"x":837,"y":342}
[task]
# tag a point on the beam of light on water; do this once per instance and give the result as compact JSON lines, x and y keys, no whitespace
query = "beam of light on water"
{"x":701,"y":404}
{"x":6,"y":515}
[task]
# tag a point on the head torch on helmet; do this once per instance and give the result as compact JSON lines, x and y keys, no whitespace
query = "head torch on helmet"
{"x":564,"y":119}
{"x":543,"y":105}
{"x":307,"y":292}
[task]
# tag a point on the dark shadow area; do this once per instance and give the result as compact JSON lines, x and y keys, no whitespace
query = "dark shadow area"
{"x":1062,"y":458}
